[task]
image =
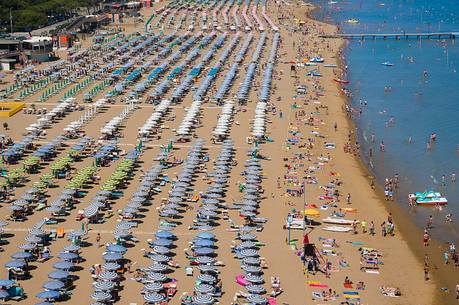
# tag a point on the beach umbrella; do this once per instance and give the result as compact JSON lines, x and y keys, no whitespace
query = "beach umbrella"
{"x":108,"y":276}
{"x":207,"y":268}
{"x":3,"y":223}
{"x":254,"y":279}
{"x":21,"y":255}
{"x":53,"y":285}
{"x":27,"y":246}
{"x":204,"y":288}
{"x":71,"y":248}
{"x":205,"y":260}
{"x":255,"y":289}
{"x":164,"y":235}
{"x":63,"y":265}
{"x":101,"y":296}
{"x":210,"y":201}
{"x":111,"y":256}
{"x":153,"y":297}
{"x":110,"y":266}
{"x":4,"y":294}
{"x":251,"y":269}
{"x":249,"y":253}
{"x":157,"y":268}
{"x":116,"y":248}
{"x":104,"y":286}
{"x":203,"y":299}
{"x":68,"y":256}
{"x":15,"y":264}
{"x":205,"y":235}
{"x":161,"y":250}
{"x":7,"y":283}
{"x":153,"y":287}
{"x":206,"y":278}
{"x":251,"y":261}
{"x":157,"y":277}
{"x":203,"y":243}
{"x":58,"y":275}
{"x":203,"y":251}
{"x":162,"y":242}
{"x":257,"y":299}
{"x":49,"y":295}
{"x":124,"y":225}
{"x":248,"y":236}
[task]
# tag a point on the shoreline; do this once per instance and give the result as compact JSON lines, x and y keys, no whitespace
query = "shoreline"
{"x":441,"y":277}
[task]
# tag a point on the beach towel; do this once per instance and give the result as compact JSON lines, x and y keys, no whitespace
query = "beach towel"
{"x":351,"y":295}
{"x":372,"y":271}
{"x":316,"y":284}
{"x":272,"y":301}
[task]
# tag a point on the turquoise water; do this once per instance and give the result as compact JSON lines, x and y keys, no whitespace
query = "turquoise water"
{"x":424,"y":97}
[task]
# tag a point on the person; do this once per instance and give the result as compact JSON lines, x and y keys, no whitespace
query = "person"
{"x":446,"y":257}
{"x":383,"y":229}
{"x":348,"y":198}
{"x":336,"y":126}
{"x":364,"y":226}
{"x":372,"y":228}
{"x":457,"y":292}
{"x":429,"y":222}
{"x":426,"y":272}
{"x":98,"y":240}
{"x":449,"y":218}
{"x":453,"y":177}
{"x":426,"y":239}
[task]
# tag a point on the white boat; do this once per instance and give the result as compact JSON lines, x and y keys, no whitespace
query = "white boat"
{"x":387,"y":64}
{"x":337,"y":229}
{"x":338,"y":221}
{"x":428,"y":198}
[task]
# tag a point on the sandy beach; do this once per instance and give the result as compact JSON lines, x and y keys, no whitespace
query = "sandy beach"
{"x":297,"y":160}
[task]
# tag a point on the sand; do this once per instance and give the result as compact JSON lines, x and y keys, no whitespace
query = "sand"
{"x":402,"y":268}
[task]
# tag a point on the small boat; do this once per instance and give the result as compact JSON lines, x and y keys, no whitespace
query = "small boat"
{"x":341,"y":81}
{"x":352,"y":21}
{"x":316,"y":59}
{"x":337,"y":229}
{"x":387,"y":64}
{"x":428,"y":198}
{"x":330,"y":66}
{"x":338,"y":221}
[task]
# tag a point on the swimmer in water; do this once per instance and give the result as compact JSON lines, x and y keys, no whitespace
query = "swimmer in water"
{"x":425,"y":73}
{"x":410,"y":140}
{"x":381,"y":146}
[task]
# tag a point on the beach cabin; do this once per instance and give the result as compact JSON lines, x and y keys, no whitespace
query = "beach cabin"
{"x":38,"y":48}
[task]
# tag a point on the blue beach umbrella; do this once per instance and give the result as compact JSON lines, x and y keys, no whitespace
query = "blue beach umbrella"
{"x":53,"y":285}
{"x":49,"y":295}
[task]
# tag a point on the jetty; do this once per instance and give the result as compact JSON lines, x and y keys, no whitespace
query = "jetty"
{"x":396,"y":36}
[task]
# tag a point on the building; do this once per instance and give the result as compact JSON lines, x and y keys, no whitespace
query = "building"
{"x":38,"y":48}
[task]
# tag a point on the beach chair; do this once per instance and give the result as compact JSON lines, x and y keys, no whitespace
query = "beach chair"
{"x":60,"y":233}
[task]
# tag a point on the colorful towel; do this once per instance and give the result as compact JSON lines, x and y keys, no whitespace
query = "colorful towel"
{"x":317,"y":284}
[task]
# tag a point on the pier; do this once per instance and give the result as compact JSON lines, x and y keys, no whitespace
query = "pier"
{"x":395,"y":36}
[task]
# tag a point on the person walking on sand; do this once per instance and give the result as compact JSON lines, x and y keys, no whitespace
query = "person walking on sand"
{"x":383,"y":229}
{"x":364,"y":226}
{"x":372,"y":228}
{"x":98,"y":240}
{"x":426,"y":239}
{"x":426,"y":272}
{"x":348,"y":198}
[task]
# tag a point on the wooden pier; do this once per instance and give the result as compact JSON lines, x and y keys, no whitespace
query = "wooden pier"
{"x":395,"y":36}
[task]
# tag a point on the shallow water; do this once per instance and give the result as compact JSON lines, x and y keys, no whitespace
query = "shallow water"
{"x":424,"y":96}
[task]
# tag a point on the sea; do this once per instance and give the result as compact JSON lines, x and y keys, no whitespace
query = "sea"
{"x":417,"y":96}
